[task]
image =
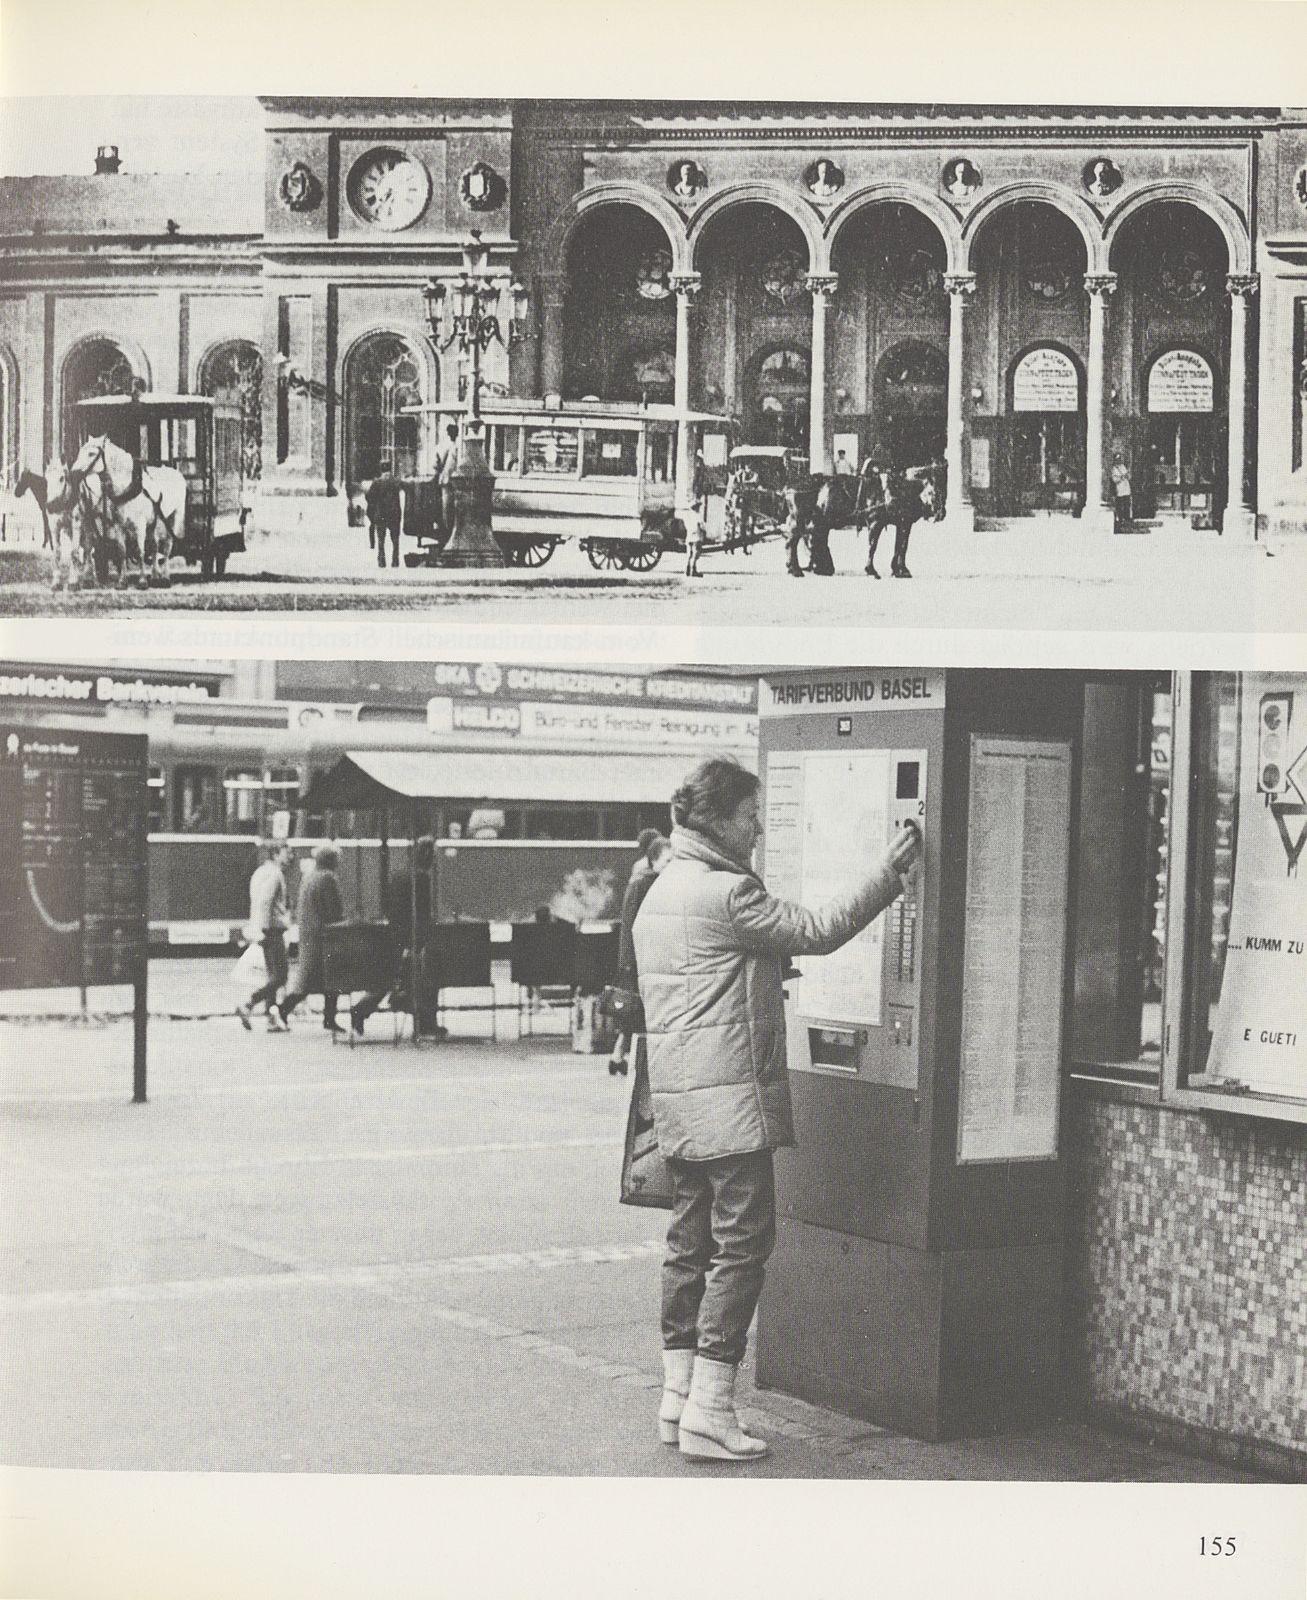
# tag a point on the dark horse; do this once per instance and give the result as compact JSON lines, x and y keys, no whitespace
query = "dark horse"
{"x":906,"y":499}
{"x":870,"y":502}
{"x":33,"y":483}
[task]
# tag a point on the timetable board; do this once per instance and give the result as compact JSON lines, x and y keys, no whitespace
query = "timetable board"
{"x":73,"y":867}
{"x":1014,"y":972}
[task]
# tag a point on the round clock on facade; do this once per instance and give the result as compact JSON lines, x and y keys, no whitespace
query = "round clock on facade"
{"x":389,"y":189}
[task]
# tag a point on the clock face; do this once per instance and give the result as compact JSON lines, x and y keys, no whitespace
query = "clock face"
{"x":389,"y":189}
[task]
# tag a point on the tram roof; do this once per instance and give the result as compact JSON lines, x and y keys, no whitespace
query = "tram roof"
{"x":155,"y":402}
{"x":526,"y":408}
{"x":379,"y":780}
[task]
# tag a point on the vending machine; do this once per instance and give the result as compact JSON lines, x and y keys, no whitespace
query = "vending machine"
{"x":917,"y":1276}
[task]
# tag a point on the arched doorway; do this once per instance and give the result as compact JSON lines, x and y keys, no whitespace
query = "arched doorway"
{"x":233,"y":372}
{"x":1183,"y":445}
{"x":754,"y":318}
{"x":620,"y":315}
{"x":383,"y":376}
{"x":1046,"y":404}
{"x":911,"y":403}
{"x":1169,"y":370}
{"x":888,"y":375}
{"x":779,"y":392}
{"x":95,"y":367}
{"x":1026,"y":359}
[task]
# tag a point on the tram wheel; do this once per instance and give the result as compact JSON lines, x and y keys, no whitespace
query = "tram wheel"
{"x":535,"y":552}
{"x":604,"y":556}
{"x":644,"y":558}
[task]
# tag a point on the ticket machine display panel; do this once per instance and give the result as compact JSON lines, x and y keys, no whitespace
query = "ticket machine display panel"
{"x":830,"y":814}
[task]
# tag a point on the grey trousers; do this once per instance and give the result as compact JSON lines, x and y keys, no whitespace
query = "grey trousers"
{"x":722,"y":1231}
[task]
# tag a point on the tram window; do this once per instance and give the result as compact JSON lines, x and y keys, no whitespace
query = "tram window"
{"x":551,"y":452}
{"x":506,"y":448}
{"x":195,"y":800}
{"x":242,"y":791}
{"x":578,"y":822}
{"x":157,"y":800}
{"x":281,"y":792}
{"x":1123,"y":849}
{"x":609,"y":453}
{"x":659,"y":454}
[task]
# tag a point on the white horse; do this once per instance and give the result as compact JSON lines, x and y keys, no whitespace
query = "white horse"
{"x":144,"y":505}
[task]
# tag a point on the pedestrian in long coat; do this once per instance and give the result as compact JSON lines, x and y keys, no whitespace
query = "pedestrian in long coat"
{"x":710,"y":943}
{"x":319,"y":905}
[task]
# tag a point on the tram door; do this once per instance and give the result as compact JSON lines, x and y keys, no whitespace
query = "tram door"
{"x":911,"y":411}
{"x":1182,"y":443}
{"x":1046,"y":439}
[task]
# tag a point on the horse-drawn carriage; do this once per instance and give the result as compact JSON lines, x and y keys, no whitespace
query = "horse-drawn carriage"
{"x":200,"y":438}
{"x":767,"y":487}
{"x":604,"y":475}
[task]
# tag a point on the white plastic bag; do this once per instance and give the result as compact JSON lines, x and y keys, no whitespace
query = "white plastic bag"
{"x":251,"y":971}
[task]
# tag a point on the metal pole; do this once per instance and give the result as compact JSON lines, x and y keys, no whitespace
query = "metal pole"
{"x":413,"y":915}
{"x":140,"y":1023}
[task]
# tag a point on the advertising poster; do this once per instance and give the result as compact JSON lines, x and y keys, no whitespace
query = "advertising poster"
{"x":1260,"y":1034}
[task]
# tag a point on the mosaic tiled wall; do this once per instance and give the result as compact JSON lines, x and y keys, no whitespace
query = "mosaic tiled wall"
{"x":1188,"y":1297}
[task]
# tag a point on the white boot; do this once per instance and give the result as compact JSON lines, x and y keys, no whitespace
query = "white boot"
{"x":678,"y":1368}
{"x":709,"y":1428}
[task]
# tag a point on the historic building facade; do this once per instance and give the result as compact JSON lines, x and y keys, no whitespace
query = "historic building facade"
{"x":1028,"y":294}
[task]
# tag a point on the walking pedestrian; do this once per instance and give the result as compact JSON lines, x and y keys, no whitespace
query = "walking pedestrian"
{"x":657,"y":854}
{"x":408,"y":922}
{"x":319,"y":905}
{"x":269,"y":919}
{"x":709,"y":944}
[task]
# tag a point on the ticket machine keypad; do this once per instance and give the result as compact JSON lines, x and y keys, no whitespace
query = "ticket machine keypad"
{"x":903,"y":937}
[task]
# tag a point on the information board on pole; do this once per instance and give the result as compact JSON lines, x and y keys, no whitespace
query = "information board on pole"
{"x":73,"y":864}
{"x":1014,"y":971}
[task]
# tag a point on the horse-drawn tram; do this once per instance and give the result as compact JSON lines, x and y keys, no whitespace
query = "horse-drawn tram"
{"x":604,"y":475}
{"x":201,"y":438}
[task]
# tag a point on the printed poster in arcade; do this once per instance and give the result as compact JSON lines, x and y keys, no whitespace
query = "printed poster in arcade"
{"x":1259,"y":1037}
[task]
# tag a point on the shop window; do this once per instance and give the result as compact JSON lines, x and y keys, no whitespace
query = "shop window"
{"x":1242,"y":1005}
{"x":1120,"y":935}
{"x":1191,"y":917}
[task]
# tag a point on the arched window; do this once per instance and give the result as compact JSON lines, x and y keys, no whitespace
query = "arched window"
{"x":384,"y":375}
{"x":781,"y":395}
{"x":233,"y":372}
{"x":97,"y":367}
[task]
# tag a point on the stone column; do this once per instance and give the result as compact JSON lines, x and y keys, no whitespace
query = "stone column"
{"x":686,"y":285}
{"x":553,"y":294}
{"x":961,"y":287}
{"x":1240,"y":520}
{"x":822,"y":287}
{"x":1097,"y":516}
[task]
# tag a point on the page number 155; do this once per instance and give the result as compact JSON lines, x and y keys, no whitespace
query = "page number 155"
{"x":1220,"y":1545}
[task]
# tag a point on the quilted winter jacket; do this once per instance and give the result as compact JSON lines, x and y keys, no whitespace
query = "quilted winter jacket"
{"x":709,"y":944}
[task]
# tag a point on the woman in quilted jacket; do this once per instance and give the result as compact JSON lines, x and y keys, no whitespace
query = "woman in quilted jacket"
{"x":710,"y":944}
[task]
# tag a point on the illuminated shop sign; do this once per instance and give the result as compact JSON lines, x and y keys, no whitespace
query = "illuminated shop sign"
{"x":1045,"y":380}
{"x":490,"y":679}
{"x":1180,"y":380}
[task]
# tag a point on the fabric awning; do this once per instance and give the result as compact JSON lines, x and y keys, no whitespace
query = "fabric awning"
{"x":378,"y":780}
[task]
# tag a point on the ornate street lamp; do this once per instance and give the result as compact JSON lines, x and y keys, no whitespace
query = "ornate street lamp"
{"x":465,"y":314}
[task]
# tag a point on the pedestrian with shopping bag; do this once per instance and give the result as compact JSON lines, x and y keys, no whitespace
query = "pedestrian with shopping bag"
{"x":710,"y":943}
{"x":269,"y":920}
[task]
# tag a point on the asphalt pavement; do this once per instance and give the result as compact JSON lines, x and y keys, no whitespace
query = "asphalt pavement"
{"x":301,"y":1257}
